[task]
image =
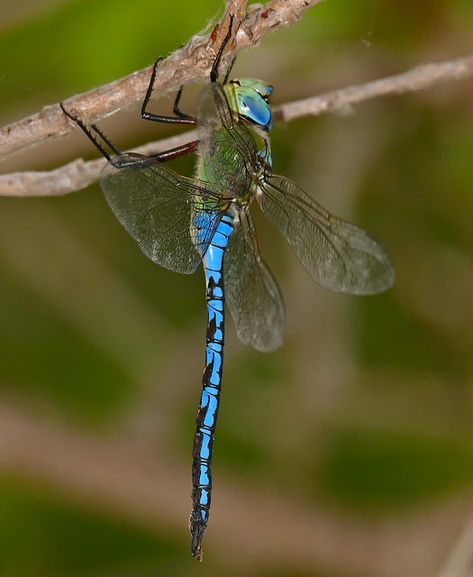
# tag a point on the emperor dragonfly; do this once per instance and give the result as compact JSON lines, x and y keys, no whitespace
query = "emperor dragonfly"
{"x":180,"y":222}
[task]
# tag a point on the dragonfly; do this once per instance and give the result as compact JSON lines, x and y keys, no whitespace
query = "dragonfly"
{"x":181,"y":222}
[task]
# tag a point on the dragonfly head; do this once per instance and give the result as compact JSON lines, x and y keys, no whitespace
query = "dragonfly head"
{"x":249,"y":98}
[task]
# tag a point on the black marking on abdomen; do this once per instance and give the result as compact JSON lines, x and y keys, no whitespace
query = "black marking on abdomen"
{"x":211,"y":381}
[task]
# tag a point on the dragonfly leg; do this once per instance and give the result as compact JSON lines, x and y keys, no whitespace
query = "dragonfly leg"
{"x":229,"y":70}
{"x":175,"y":152}
{"x":218,"y":58}
{"x":91,"y":133}
{"x":179,"y":118}
{"x":176,"y":109}
{"x":105,"y":138}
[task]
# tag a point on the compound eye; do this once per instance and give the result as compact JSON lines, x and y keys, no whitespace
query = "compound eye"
{"x":254,"y":108}
{"x":267,"y":94}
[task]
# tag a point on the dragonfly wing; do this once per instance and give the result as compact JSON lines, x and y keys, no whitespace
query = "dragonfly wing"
{"x":338,"y":255}
{"x":251,"y":292}
{"x":226,"y":147}
{"x":157,"y":207}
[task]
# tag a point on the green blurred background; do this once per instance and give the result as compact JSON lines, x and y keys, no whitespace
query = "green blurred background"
{"x":348,"y":452}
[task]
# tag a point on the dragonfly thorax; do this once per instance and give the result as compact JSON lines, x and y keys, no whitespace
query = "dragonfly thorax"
{"x":249,"y":99}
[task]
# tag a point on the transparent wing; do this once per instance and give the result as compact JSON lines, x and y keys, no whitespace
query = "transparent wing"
{"x":251,"y":292}
{"x":158,"y":207}
{"x":338,"y":255}
{"x":226,"y":147}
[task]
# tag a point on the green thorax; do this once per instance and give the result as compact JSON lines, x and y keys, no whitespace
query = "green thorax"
{"x":220,"y":162}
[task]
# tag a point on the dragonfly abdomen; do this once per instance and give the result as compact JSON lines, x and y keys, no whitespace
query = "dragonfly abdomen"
{"x":211,"y":382}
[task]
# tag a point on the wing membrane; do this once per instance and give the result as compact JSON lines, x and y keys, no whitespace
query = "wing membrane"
{"x":252,"y":293}
{"x":338,"y":255}
{"x":157,"y":207}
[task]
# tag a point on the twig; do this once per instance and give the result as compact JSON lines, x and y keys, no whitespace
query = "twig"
{"x":417,"y":78}
{"x":459,"y":562}
{"x":79,"y":174}
{"x":190,"y":63}
{"x":75,"y":175}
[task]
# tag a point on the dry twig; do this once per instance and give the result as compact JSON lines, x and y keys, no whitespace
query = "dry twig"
{"x":79,"y":174}
{"x":459,"y":562}
{"x":190,"y":63}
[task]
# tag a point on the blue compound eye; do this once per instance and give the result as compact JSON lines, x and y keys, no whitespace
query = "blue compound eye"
{"x":267,"y":92}
{"x":249,"y":98}
{"x":262,"y":88}
{"x":253,"y":107}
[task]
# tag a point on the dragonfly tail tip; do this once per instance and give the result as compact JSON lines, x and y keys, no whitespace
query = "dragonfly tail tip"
{"x":197,"y":529}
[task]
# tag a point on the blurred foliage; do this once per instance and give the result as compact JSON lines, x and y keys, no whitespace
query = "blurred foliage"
{"x":386,"y":469}
{"x":52,"y":347}
{"x":43,"y":535}
{"x":368,"y":407}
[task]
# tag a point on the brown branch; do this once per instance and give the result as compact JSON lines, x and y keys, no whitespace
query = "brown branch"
{"x":417,"y":78}
{"x":75,"y":175}
{"x":79,"y":174}
{"x":190,"y":63}
{"x":459,"y":562}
